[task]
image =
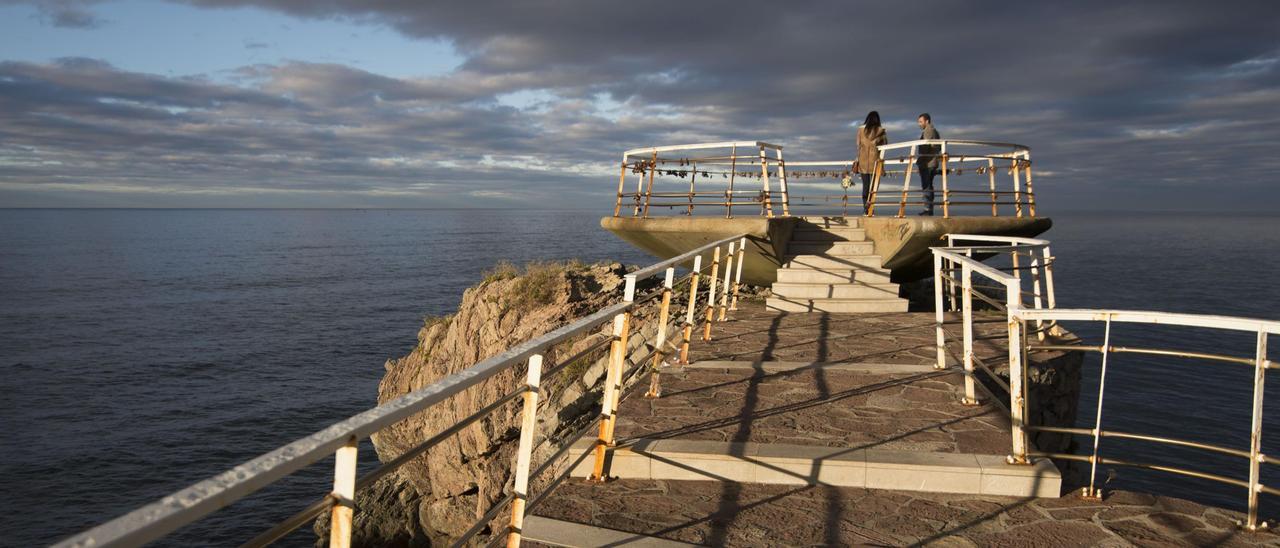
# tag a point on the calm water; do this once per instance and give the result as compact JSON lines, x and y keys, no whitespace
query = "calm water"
{"x":143,"y":350}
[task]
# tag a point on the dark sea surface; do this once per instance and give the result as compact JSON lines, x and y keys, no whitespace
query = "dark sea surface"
{"x":144,"y":350}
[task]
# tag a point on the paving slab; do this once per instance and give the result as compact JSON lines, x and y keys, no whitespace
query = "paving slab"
{"x":737,"y":514}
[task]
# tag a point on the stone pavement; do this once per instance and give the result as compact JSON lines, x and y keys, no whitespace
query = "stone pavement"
{"x":736,"y":514}
{"x":913,"y":410}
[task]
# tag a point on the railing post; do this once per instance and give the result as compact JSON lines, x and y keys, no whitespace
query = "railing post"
{"x":906,"y":182}
{"x":1031,"y":195}
{"x":724,"y":290}
{"x":733,"y":172}
{"x":1017,"y":188}
{"x":782,"y":184}
{"x":648,"y":193}
{"x":622,"y":180}
{"x":876,"y":175}
{"x":524,"y":452}
{"x":711,"y":294}
{"x":967,"y":309}
{"x":1017,"y":378}
{"x":940,"y":314}
{"x":689,"y":310}
{"x":693,"y":180}
{"x":1035,"y":292}
{"x":991,"y":178}
{"x":659,"y":354}
{"x":1092,"y":491}
{"x":1255,"y":433}
{"x":613,"y":380}
{"x":946,"y":190}
{"x":344,"y":491}
{"x":764,"y":176}
{"x":737,"y":276}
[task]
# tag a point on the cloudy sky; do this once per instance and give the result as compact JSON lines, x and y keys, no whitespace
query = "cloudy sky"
{"x":404,"y":103}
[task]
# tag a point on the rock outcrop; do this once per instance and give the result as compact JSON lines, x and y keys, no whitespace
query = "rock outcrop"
{"x":443,"y":492}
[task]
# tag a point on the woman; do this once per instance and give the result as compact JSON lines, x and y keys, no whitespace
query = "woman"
{"x":870,"y":136}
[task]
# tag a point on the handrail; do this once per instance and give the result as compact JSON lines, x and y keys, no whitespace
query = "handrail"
{"x":953,"y":156}
{"x":1042,"y":311}
{"x":159,"y":518}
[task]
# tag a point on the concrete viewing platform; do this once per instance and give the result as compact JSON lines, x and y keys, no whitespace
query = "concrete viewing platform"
{"x":807,"y":428}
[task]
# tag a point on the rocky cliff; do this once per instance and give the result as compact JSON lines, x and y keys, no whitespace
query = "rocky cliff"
{"x":439,"y":495}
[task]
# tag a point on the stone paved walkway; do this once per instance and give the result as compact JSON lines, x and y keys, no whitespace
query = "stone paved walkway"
{"x":718,"y":514}
{"x":755,"y":334}
{"x":916,"y":411}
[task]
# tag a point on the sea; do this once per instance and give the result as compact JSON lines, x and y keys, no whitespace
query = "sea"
{"x":142,"y":350}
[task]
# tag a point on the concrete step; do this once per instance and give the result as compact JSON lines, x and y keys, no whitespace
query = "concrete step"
{"x":823,"y":262}
{"x":832,"y":276}
{"x":836,"y":248}
{"x":836,"y":291}
{"x":830,"y":222}
{"x":829,"y":235}
{"x":775,"y":463}
{"x":836,"y":306}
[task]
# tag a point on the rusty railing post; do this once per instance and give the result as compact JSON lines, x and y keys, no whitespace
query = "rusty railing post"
{"x":1255,"y":432}
{"x":1017,"y":376}
{"x":660,"y":350}
{"x":728,"y":274}
{"x":711,"y":294}
{"x":737,"y":277}
{"x":613,"y":381}
{"x":939,"y":312}
{"x":524,"y":452}
{"x":966,"y":278}
{"x":344,"y":493}
{"x":689,"y":310}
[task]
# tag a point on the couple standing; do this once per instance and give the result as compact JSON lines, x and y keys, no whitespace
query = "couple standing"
{"x":872,"y":135}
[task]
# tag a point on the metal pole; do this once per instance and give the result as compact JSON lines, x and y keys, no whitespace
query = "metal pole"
{"x":524,"y":452}
{"x":946,"y":191}
{"x":782,"y":183}
{"x":764,"y":175}
{"x":991,"y":177}
{"x":1017,"y":377}
{"x":737,"y":277}
{"x":1017,"y":189}
{"x":939,"y":313}
{"x":1255,"y":434}
{"x":906,"y":182}
{"x":733,"y":172}
{"x":1092,"y":491}
{"x":724,"y":290}
{"x":648,"y":193}
{"x":613,"y":380}
{"x":1031,"y":195}
{"x":690,"y":309}
{"x":622,"y":180}
{"x":967,"y":308}
{"x":344,"y":491}
{"x":711,"y":293}
{"x":693,"y":179}
{"x":655,"y":383}
{"x":1035,"y":292}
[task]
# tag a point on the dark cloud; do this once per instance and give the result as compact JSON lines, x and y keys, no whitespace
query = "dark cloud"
{"x":68,"y":15}
{"x":1146,"y":104}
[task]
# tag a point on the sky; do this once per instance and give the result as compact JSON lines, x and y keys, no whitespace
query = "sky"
{"x":403,"y":103}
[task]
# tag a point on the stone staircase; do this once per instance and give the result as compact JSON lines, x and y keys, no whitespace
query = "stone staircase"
{"x":831,"y":266}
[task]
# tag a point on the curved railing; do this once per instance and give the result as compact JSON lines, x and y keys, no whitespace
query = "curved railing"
{"x":1022,"y":307}
{"x":684,"y":178}
{"x":160,"y":518}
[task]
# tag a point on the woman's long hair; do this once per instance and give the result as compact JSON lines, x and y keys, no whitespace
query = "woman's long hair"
{"x":872,"y":121}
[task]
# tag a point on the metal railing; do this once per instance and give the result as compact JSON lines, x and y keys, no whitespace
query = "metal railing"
{"x":162,"y":517}
{"x":1019,"y":313}
{"x":954,"y":289}
{"x":701,"y":164}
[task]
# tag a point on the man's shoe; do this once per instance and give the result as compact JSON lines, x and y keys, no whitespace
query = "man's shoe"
{"x":927,"y":213}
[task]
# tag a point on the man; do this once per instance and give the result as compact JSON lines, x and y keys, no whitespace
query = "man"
{"x":928,"y":159}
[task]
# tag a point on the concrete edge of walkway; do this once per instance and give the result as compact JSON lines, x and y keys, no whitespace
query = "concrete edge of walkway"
{"x":567,"y":533}
{"x":776,"y":463}
{"x":775,"y":366}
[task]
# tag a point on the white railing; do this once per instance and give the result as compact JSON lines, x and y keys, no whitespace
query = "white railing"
{"x":1019,"y":312}
{"x":162,"y":517}
{"x":957,"y":294}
